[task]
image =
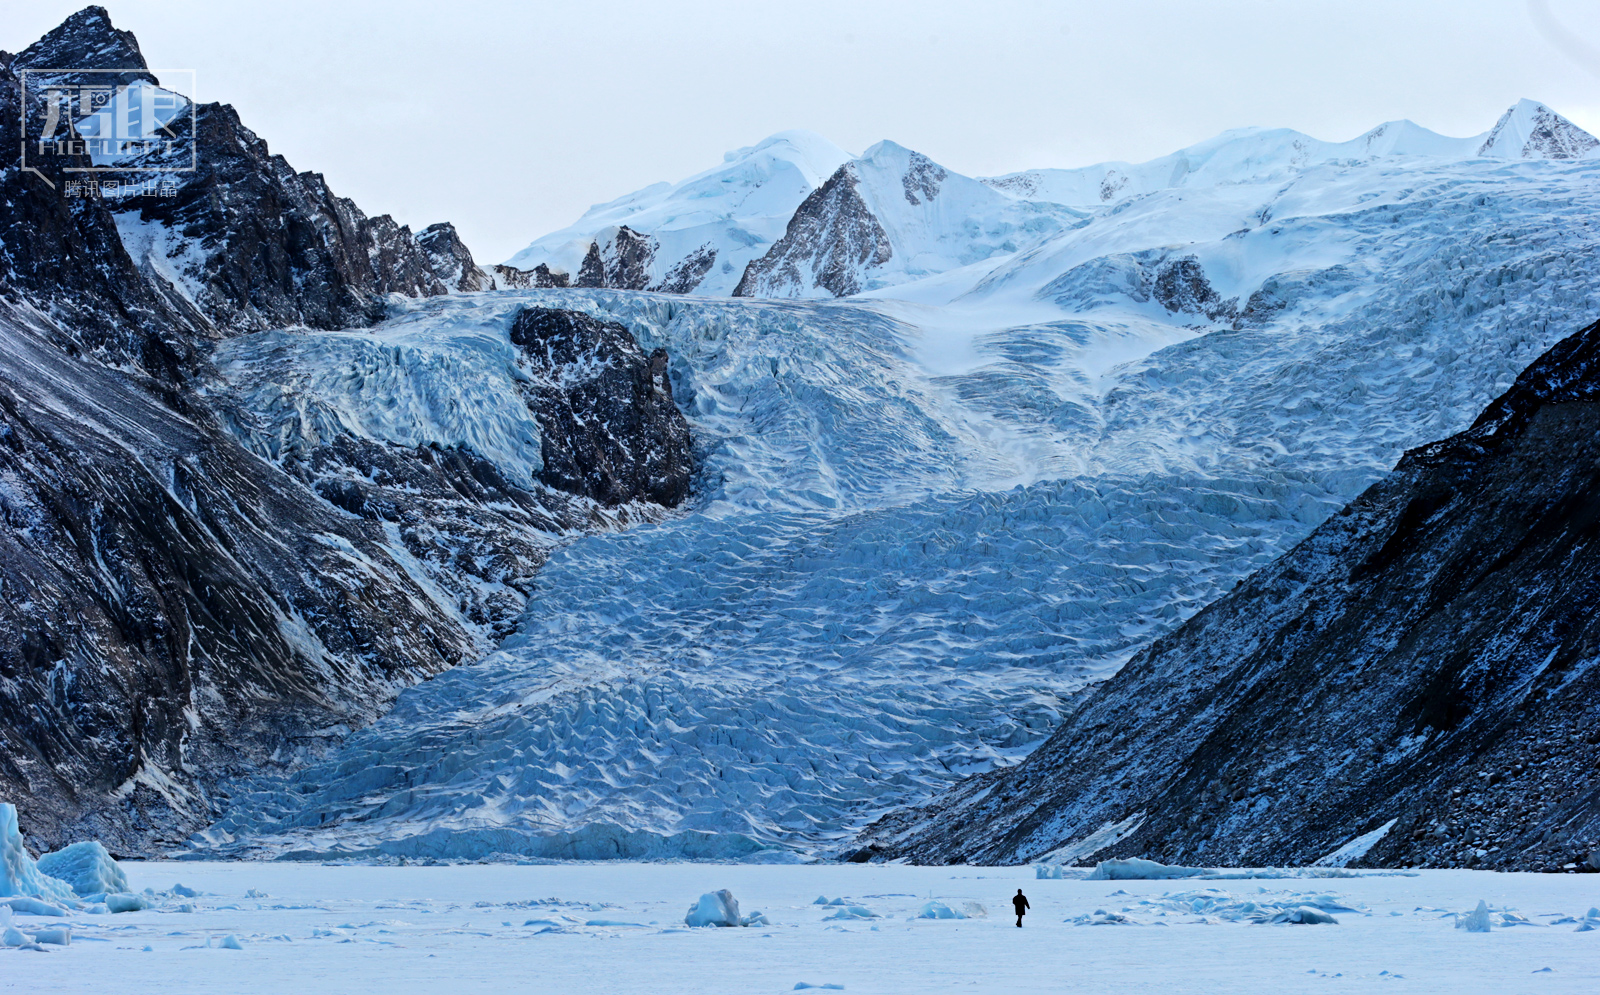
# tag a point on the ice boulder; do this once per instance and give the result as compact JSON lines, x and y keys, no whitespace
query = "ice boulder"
{"x":126,"y":903}
{"x":1304,"y":915}
{"x":715,"y":908}
{"x":60,"y":936}
{"x":19,"y":874}
{"x":32,"y":907}
{"x":1139,"y":869}
{"x":938,"y":910}
{"x":86,"y":867}
{"x":1476,"y":921}
{"x":1047,"y":872}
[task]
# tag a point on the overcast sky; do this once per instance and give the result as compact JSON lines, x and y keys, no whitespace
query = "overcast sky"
{"x":510,"y":118}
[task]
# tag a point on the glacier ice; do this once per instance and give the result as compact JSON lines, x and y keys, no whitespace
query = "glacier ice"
{"x":924,"y":520}
{"x":1476,"y":921}
{"x":296,"y":390}
{"x":714,"y":908}
{"x":19,"y":874}
{"x":934,"y":909}
{"x":1140,"y":869}
{"x":86,"y":867}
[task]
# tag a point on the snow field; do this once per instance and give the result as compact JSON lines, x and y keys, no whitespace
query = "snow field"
{"x":617,"y":928}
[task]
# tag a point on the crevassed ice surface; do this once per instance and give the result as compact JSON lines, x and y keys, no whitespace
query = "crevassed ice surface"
{"x":922,"y":523}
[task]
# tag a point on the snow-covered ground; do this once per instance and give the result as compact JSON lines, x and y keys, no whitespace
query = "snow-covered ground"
{"x":617,"y":928}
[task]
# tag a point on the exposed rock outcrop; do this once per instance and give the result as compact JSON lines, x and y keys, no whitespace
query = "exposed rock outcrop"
{"x":831,"y":237}
{"x":1427,"y":660}
{"x":451,"y":261}
{"x":610,"y":429}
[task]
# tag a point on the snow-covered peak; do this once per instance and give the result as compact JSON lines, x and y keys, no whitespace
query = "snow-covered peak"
{"x":1405,"y":138}
{"x":699,"y":233}
{"x":808,"y":151}
{"x":891,"y":217}
{"x":1530,"y":130}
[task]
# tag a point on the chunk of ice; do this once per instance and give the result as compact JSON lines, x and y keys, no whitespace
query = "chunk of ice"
{"x":60,"y":936}
{"x":87,"y":867}
{"x":1139,"y":869}
{"x":19,"y":874}
{"x":715,"y":908}
{"x":939,"y":910}
{"x":1476,"y":921}
{"x":126,"y":903}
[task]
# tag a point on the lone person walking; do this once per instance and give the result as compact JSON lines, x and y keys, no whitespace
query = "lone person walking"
{"x":1020,"y":903}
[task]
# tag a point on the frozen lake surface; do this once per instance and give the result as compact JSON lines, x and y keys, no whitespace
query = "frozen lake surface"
{"x":570,"y":928}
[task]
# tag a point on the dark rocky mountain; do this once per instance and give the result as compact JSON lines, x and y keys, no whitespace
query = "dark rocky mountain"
{"x":177,"y":606}
{"x":87,"y":40}
{"x":1427,"y":660}
{"x":831,"y":237}
{"x":622,"y":262}
{"x":511,"y":278}
{"x":451,"y":261}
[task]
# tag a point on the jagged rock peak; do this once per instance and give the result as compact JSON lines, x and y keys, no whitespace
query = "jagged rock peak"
{"x":1530,"y":130}
{"x":86,"y":40}
{"x":452,"y":260}
{"x":832,"y":237}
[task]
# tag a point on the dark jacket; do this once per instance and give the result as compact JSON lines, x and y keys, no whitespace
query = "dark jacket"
{"x":1020,"y":903}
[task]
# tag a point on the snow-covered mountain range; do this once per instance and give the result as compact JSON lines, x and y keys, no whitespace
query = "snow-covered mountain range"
{"x":797,"y":491}
{"x":794,"y":216}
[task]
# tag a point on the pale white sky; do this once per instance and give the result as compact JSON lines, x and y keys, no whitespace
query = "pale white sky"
{"x":510,"y":118}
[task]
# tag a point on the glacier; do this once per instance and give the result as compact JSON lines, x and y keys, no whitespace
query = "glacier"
{"x":926,"y":518}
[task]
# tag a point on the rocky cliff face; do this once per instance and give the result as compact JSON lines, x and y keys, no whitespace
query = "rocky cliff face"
{"x":1426,"y":663}
{"x":451,"y":261}
{"x":832,"y":237}
{"x":610,"y":429}
{"x":177,"y":604}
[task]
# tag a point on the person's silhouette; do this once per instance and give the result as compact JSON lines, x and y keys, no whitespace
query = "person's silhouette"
{"x":1020,"y":903}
